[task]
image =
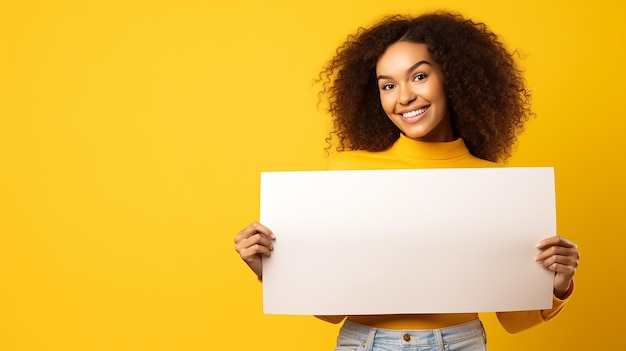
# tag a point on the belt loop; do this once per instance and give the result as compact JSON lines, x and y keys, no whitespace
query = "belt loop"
{"x":370,"y":340}
{"x":439,"y":339}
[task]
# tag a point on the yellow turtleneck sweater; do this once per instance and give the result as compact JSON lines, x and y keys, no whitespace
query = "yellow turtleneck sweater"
{"x":407,"y":153}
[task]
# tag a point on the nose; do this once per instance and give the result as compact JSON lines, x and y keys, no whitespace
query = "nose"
{"x":407,"y":95}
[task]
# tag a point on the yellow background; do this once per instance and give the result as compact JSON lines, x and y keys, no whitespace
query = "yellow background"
{"x":132,"y":134}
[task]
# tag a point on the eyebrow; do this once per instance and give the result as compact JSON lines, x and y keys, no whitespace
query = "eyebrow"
{"x":408,"y":71}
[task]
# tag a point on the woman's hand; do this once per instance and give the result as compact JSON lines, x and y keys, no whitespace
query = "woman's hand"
{"x":251,"y":243}
{"x":560,"y":256}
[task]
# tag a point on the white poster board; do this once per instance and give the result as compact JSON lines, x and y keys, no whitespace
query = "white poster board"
{"x":407,"y":241}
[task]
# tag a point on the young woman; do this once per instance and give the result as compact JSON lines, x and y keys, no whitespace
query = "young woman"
{"x":433,"y":91}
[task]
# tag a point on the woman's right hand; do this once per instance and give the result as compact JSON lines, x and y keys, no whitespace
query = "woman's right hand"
{"x":251,"y":243}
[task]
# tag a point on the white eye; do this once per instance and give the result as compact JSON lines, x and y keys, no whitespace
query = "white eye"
{"x":419,"y":77}
{"x":387,"y":86}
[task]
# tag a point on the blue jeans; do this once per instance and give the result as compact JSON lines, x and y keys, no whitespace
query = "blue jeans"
{"x":468,"y":336}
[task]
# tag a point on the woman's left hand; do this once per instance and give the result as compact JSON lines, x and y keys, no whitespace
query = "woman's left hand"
{"x":560,"y":256}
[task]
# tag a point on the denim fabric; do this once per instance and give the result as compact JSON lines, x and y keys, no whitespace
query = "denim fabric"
{"x":468,"y":336}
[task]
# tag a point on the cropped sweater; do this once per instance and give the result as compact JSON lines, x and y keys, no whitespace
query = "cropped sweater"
{"x":407,"y":153}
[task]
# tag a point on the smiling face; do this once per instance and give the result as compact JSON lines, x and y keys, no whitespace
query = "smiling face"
{"x":411,"y":90}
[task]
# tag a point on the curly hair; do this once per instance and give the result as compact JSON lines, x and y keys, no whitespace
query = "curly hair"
{"x":486,"y":91}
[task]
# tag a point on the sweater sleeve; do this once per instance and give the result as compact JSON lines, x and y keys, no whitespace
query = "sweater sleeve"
{"x":515,"y":322}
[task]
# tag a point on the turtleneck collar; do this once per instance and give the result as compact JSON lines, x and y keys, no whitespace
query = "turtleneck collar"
{"x":429,"y":150}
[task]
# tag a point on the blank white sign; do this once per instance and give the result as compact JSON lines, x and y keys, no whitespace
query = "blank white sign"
{"x":407,"y":241}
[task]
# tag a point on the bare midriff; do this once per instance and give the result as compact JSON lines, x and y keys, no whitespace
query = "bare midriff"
{"x":414,"y":321}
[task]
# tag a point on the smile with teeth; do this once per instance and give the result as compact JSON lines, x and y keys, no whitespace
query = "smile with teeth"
{"x":415,"y":113}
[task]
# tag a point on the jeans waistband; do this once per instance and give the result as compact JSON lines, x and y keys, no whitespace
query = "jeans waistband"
{"x":450,"y":334}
